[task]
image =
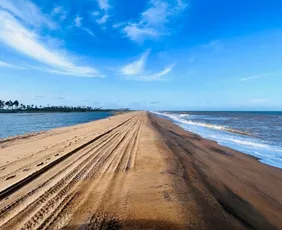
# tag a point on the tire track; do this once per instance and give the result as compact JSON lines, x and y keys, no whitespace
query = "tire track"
{"x":54,"y":201}
{"x":59,"y":184}
{"x":111,"y":157}
{"x":44,"y":185}
{"x":31,"y":177}
{"x":103,"y":159}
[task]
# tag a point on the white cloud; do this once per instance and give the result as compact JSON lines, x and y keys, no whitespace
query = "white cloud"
{"x":17,"y":36}
{"x":250,"y":78}
{"x":118,"y":25}
{"x":95,"y":13}
{"x":103,"y":4}
{"x":156,"y":15}
{"x":153,"y":21}
{"x":59,"y":11}
{"x":28,"y":12}
{"x":77,"y":21}
{"x":138,"y":33}
{"x":8,"y":65}
{"x":136,"y":67}
{"x":78,"y":72}
{"x":136,"y":70}
{"x":103,"y":19}
{"x":181,"y":5}
{"x":156,"y":76}
{"x":88,"y":31}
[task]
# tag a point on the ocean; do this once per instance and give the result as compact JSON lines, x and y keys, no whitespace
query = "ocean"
{"x":12,"y":124}
{"x":255,"y":133}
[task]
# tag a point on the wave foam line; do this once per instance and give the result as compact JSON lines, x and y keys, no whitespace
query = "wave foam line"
{"x":206,"y":125}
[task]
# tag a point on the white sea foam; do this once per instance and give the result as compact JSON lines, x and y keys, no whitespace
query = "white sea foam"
{"x":267,"y":153}
{"x":180,"y":119}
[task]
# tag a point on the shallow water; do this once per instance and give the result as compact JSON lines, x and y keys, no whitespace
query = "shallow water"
{"x":255,"y":133}
{"x":21,"y":123}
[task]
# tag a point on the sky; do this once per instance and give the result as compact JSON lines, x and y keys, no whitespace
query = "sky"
{"x":143,"y":54}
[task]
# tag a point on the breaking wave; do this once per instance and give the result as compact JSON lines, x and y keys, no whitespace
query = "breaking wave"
{"x":266,"y":152}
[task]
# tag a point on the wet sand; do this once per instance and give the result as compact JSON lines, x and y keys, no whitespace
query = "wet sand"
{"x":133,"y":171}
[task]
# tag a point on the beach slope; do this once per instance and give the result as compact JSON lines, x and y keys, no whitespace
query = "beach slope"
{"x":133,"y":171}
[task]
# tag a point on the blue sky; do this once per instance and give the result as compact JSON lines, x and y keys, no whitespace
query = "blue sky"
{"x":143,"y":54}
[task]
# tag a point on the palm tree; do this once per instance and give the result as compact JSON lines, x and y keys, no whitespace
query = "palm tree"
{"x":16,"y":104}
{"x":9,"y":104}
{"x":2,"y":104}
{"x":22,"y":106}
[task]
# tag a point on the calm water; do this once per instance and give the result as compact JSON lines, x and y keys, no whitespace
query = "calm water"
{"x":21,"y":123}
{"x":255,"y":133}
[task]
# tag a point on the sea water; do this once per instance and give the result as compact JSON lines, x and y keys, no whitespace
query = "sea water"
{"x":12,"y":124}
{"x":255,"y":133}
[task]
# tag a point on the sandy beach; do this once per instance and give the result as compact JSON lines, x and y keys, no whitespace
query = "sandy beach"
{"x":133,"y":171}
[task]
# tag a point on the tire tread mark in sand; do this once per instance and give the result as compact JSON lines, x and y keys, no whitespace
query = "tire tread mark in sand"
{"x":31,"y":177}
{"x":58,"y":197}
{"x":132,"y":159}
{"x":114,"y":164}
{"x":32,"y":155}
{"x":64,"y":191}
{"x":21,"y":199}
{"x":116,"y":148}
{"x":111,"y":156}
{"x":118,"y":164}
{"x":43,"y":159}
{"x":103,"y":222}
{"x":53,"y":189}
{"x":48,"y":222}
{"x":124,"y":161}
{"x":57,"y":210}
{"x":43,"y":184}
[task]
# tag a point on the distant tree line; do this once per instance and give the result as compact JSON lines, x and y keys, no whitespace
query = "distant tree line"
{"x":15,"y":106}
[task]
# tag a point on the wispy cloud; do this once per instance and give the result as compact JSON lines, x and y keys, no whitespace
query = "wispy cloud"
{"x":156,"y":15}
{"x":181,"y":5}
{"x":95,"y":13}
{"x":90,"y":32}
{"x":157,"y":76}
{"x":9,"y":65}
{"x":103,"y":4}
{"x":136,"y":70}
{"x":251,"y":78}
{"x":152,"y":23}
{"x":138,"y":33}
{"x":103,"y":19}
{"x":60,"y":12}
{"x":136,"y":67}
{"x":77,"y":71}
{"x":28,"y":12}
{"x":16,"y":35}
{"x":214,"y":44}
{"x":78,"y":23}
{"x":104,"y":16}
{"x":118,"y":25}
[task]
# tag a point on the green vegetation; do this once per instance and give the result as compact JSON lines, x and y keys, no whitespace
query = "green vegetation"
{"x":16,"y":107}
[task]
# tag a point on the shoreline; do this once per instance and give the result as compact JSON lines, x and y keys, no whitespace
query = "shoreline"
{"x":126,"y":171}
{"x":261,"y":146}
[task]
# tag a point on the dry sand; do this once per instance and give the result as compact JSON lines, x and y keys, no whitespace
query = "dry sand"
{"x":133,"y":171}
